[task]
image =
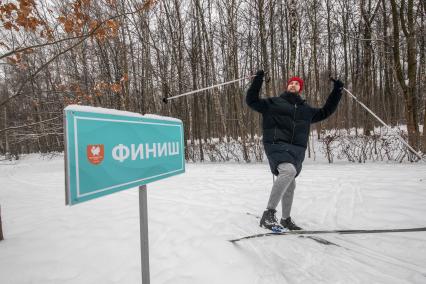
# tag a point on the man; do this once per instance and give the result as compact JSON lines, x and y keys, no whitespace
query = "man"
{"x":286,"y":127}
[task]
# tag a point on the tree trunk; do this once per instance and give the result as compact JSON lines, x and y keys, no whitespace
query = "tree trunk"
{"x":292,"y":8}
{"x":408,"y":90}
{"x":345,"y":16}
{"x":424,"y":130}
{"x":6,"y":140}
{"x":1,"y":229}
{"x":315,"y":41}
{"x":367,"y":86}
{"x":264,"y":42}
{"x":422,"y":73}
{"x":329,"y":35}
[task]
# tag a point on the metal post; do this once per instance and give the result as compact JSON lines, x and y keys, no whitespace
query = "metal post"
{"x":143,"y":217}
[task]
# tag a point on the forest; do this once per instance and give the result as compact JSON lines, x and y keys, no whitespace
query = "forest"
{"x":130,"y":55}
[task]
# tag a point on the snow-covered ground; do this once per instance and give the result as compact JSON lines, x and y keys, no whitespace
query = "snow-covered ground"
{"x":192,"y":216}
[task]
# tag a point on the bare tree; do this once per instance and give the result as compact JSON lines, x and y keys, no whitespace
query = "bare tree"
{"x":292,"y":37}
{"x":1,"y":228}
{"x":403,"y":16}
{"x":116,"y":56}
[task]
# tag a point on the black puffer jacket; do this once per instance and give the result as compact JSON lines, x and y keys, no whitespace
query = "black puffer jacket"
{"x":286,"y":123}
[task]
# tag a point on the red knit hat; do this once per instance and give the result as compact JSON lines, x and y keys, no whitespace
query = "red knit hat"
{"x":298,"y":80}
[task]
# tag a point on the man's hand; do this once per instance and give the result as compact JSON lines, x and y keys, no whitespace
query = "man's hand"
{"x":338,"y":85}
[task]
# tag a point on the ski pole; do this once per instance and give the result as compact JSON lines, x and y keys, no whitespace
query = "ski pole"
{"x":383,"y":123}
{"x":165,"y":100}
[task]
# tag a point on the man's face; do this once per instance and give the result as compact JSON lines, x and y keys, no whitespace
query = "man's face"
{"x":293,"y":87}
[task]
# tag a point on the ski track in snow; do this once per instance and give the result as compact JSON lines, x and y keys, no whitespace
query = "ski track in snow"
{"x":192,"y":217}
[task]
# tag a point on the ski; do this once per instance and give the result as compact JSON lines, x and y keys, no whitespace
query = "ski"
{"x":341,"y":232}
{"x":320,"y":240}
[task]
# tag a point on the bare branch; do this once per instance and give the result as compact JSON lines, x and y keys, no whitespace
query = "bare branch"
{"x":82,"y":39}
{"x":29,"y":125}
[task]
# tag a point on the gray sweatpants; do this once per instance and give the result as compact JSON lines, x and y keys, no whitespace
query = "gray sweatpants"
{"x":283,"y":189}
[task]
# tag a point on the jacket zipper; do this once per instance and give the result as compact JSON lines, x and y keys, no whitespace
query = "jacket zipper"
{"x":294,"y":123}
{"x":275,"y":135}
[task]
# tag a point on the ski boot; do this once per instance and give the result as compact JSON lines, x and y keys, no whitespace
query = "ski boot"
{"x":289,"y":224}
{"x":269,"y":221}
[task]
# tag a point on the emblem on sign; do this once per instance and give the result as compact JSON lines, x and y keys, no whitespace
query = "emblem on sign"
{"x":95,"y":153}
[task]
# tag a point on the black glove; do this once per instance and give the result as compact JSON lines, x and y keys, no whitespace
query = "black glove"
{"x":338,"y":85}
{"x":260,"y":74}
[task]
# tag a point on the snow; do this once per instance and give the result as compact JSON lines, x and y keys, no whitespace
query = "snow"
{"x":118,"y":112}
{"x":191,"y":217}
{"x":159,"y":117}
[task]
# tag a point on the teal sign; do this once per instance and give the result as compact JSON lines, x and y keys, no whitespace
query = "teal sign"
{"x":108,"y":151}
